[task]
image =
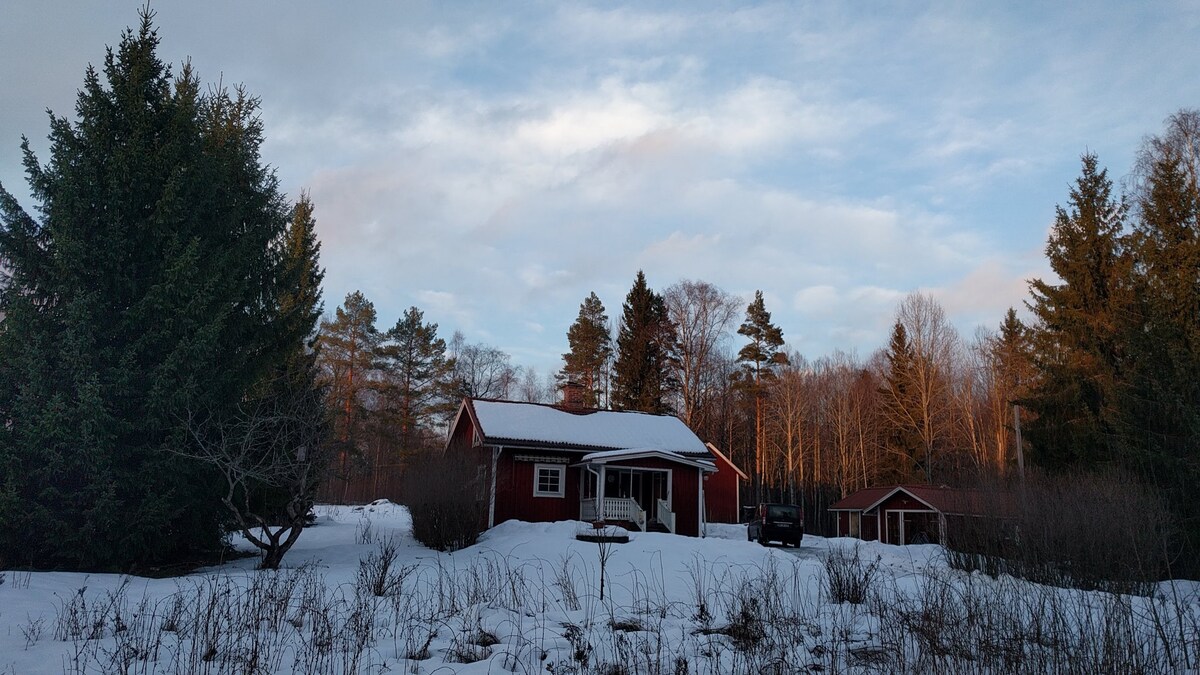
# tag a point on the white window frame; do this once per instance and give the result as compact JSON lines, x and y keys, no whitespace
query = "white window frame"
{"x":559,"y":469}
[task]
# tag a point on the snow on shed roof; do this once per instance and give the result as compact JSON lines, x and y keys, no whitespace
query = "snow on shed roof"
{"x":604,"y":429}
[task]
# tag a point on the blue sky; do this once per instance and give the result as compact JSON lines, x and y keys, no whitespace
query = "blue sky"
{"x":492,"y":163}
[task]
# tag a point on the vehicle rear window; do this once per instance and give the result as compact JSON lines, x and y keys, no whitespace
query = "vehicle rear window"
{"x":777,"y":511}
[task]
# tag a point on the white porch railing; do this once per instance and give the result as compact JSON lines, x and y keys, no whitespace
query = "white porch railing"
{"x":614,"y":509}
{"x":665,"y":516}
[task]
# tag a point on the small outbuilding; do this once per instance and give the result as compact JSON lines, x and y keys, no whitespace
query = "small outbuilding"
{"x":905,"y":514}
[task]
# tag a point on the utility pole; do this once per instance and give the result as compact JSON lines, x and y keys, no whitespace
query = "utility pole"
{"x":1020,"y":446}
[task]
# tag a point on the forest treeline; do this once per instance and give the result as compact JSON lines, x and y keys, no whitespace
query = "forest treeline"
{"x":168,"y":370}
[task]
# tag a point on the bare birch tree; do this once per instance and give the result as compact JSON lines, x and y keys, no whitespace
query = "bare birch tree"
{"x":936,"y":348}
{"x":703,"y":315}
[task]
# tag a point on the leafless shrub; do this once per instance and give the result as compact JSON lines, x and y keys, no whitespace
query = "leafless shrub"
{"x":32,"y":630}
{"x":442,"y":495}
{"x":746,"y":627}
{"x":701,"y":590}
{"x":564,"y":581}
{"x":1093,"y":531}
{"x":767,"y":618}
{"x":362,"y":531}
{"x":847,"y":578}
{"x":84,"y":618}
{"x":378,"y":573}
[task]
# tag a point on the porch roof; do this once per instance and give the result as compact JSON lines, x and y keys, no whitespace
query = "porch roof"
{"x":626,"y":454}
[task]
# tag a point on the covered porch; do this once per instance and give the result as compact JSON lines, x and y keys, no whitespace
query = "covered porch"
{"x":638,"y":488}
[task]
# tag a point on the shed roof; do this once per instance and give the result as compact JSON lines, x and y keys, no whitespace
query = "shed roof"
{"x":546,"y":425}
{"x":941,"y":498}
{"x":860,"y":500}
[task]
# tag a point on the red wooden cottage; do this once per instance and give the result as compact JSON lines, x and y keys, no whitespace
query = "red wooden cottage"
{"x":905,"y":514}
{"x":544,"y":463}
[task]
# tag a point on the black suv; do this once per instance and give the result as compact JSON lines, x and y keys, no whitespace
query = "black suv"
{"x":776,"y":522}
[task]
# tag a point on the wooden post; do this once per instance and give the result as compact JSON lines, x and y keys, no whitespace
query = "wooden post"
{"x":600,"y":494}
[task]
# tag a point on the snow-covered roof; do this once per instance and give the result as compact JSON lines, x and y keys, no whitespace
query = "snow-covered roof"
{"x":601,"y":429}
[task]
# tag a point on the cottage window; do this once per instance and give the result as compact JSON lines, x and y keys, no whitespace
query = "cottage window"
{"x":548,"y":480}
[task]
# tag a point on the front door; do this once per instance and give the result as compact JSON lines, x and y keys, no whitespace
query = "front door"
{"x":894,"y":530}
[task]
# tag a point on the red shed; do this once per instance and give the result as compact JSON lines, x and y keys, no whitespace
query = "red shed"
{"x":904,"y":514}
{"x":543,"y":463}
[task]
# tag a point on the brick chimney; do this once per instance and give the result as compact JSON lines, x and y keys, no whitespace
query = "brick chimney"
{"x":572,"y":393}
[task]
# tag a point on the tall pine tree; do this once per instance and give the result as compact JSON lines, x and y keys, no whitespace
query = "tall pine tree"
{"x":416,"y":378}
{"x":348,"y":356}
{"x":759,"y":359}
{"x":148,"y":288}
{"x":591,"y":350}
{"x":642,"y":373}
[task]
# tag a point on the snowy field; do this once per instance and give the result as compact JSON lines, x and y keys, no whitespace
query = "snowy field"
{"x":359,"y":595}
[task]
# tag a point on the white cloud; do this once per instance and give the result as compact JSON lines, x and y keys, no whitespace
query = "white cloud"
{"x":494,"y":164}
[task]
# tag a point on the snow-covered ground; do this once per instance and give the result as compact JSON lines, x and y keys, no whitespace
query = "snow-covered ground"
{"x":526,"y":599}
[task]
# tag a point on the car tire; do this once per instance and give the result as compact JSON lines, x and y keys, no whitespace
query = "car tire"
{"x":762,"y":539}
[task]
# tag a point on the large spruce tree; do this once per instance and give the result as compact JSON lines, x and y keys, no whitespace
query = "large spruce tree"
{"x":148,"y":287}
{"x":591,"y":349}
{"x":1077,"y":343}
{"x":901,"y":410}
{"x":1161,"y":402}
{"x":642,"y":373}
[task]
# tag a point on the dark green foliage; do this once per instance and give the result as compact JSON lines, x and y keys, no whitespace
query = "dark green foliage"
{"x":758,"y":358}
{"x":1161,"y":403}
{"x":591,"y":349}
{"x":416,"y":377}
{"x":1117,"y":344}
{"x":1077,"y":346}
{"x":300,"y":280}
{"x":642,"y":373}
{"x":348,"y":354}
{"x":148,"y":286}
{"x":901,"y":407}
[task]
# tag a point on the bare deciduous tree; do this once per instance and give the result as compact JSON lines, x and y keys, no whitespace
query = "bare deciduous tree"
{"x":272,"y":453}
{"x":936,"y":349}
{"x":531,"y":388}
{"x":703,"y":315}
{"x":480,"y":371}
